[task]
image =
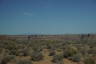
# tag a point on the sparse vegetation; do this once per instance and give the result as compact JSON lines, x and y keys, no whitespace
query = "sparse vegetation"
{"x":82,"y":49}
{"x":89,"y":60}
{"x":24,"y":62}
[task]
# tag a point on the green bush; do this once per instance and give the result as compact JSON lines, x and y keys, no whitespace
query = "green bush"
{"x":12,"y":52}
{"x":75,"y":58}
{"x":37,"y":56}
{"x":70,"y":51}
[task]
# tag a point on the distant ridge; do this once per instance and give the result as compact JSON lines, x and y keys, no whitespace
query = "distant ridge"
{"x":46,"y":36}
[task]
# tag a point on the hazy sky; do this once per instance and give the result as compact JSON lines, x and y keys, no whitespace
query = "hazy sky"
{"x":47,"y":16}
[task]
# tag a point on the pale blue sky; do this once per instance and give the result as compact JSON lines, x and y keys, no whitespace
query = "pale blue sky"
{"x":47,"y":16}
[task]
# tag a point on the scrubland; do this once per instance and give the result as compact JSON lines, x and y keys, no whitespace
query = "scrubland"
{"x":49,"y":51}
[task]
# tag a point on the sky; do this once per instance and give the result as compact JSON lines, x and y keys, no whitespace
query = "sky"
{"x":47,"y":16}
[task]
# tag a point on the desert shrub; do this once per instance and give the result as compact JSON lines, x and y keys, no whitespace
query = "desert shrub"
{"x":85,"y":49}
{"x":52,"y":52}
{"x":75,"y":58}
{"x":11,"y":57}
{"x":48,"y":46}
{"x":12,"y":52}
{"x":37,"y":48}
{"x":3,"y":61}
{"x":70,"y":51}
{"x":89,"y":61}
{"x":17,"y":52}
{"x":24,"y":62}
{"x":6,"y":59}
{"x":37,"y":56}
{"x":29,"y":51}
{"x":1,"y":50}
{"x":59,"y":50}
{"x":10,"y":45}
{"x":92,"y":51}
{"x":58,"y":59}
{"x":22,"y":52}
{"x":25,"y":52}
